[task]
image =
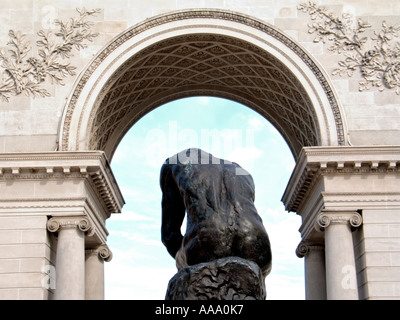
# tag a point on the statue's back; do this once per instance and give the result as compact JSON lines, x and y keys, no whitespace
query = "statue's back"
{"x":222,"y":220}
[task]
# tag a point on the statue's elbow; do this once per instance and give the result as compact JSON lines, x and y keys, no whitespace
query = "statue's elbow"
{"x":172,"y":241}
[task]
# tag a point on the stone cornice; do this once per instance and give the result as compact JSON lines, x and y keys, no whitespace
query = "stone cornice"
{"x":68,"y":139}
{"x":314,"y":162}
{"x":91,"y":166}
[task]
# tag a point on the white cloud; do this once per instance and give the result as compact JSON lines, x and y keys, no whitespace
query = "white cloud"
{"x":290,"y":167}
{"x":131,"y":216}
{"x":136,"y":238}
{"x":141,"y":267}
{"x":137,"y":283}
{"x":280,"y":287}
{"x":203,"y":100}
{"x":256,"y":123}
{"x":246,"y":157}
{"x":245,"y":154}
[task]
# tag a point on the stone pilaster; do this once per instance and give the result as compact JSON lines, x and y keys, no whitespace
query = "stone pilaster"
{"x":341,"y":280}
{"x":94,"y":271}
{"x":70,"y":257}
{"x":314,"y":269}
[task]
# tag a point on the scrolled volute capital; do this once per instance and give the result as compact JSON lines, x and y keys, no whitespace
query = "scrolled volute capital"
{"x":302,"y":249}
{"x":86,"y":226}
{"x":82,"y":223}
{"x":53,"y":225}
{"x":356,"y":220}
{"x":325,"y":219}
{"x":305,"y":247}
{"x":105,"y":253}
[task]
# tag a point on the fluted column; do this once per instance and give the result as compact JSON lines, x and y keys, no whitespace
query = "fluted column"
{"x":70,"y":257}
{"x":341,"y":280}
{"x":94,"y":272}
{"x":314,"y":269}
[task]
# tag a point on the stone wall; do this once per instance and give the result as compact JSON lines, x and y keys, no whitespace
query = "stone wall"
{"x":33,"y":124}
{"x":25,"y":257}
{"x":28,"y":124}
{"x":377,"y":254}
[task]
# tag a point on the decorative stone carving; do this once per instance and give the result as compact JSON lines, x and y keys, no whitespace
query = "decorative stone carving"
{"x":207,"y":65}
{"x":200,"y":81}
{"x":305,"y":247}
{"x":379,"y":64}
{"x":25,"y":75}
{"x":316,"y":162}
{"x":90,"y":166}
{"x":80,"y":222}
{"x":105,"y":253}
{"x":324,"y":220}
{"x":302,"y":249}
{"x":102,"y":251}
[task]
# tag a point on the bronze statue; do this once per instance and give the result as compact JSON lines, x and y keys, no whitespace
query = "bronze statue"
{"x":222,"y":220}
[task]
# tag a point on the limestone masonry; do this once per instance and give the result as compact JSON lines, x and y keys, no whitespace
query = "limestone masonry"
{"x":76,"y":75}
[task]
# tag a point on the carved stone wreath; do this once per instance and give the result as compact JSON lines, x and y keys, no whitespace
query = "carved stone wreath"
{"x":379,"y":65}
{"x":22,"y":74}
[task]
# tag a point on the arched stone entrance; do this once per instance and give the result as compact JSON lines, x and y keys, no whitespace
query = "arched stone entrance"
{"x":230,"y":55}
{"x":347,"y":195}
{"x":201,"y":52}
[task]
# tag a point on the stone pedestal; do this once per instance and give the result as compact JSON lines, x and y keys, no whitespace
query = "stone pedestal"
{"x":230,"y":278}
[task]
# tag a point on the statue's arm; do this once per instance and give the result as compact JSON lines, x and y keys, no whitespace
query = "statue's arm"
{"x":173,"y":212}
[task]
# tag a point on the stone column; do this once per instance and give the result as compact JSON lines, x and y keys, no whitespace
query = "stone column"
{"x":70,"y":256}
{"x":94,"y":272}
{"x":314,"y":269}
{"x":341,"y":279}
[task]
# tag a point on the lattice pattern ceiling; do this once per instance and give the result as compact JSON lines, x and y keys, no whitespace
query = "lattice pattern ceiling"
{"x":205,"y":64}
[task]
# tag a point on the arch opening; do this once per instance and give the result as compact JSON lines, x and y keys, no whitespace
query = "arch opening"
{"x":135,"y":235}
{"x":244,"y":60}
{"x":204,"y":64}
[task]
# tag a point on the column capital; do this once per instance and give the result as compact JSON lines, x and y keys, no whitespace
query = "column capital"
{"x":305,"y":247}
{"x":102,"y":251}
{"x":81,"y":222}
{"x":327,"y":218}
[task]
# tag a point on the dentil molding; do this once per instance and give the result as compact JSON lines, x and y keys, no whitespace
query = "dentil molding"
{"x":90,"y":166}
{"x":316,"y":162}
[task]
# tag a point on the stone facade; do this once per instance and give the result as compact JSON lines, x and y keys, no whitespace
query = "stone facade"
{"x":355,"y":191}
{"x":70,"y":91}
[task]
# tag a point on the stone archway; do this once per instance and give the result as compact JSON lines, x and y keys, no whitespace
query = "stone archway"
{"x":201,"y":52}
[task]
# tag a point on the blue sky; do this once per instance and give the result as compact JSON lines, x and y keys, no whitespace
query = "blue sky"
{"x":141,"y":266}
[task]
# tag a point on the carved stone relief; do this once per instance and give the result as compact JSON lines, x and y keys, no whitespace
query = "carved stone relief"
{"x":230,"y":65}
{"x":23,"y":74}
{"x":377,"y":59}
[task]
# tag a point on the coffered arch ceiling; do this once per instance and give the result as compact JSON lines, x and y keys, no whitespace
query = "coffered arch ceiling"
{"x":173,"y":56}
{"x":204,"y":64}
